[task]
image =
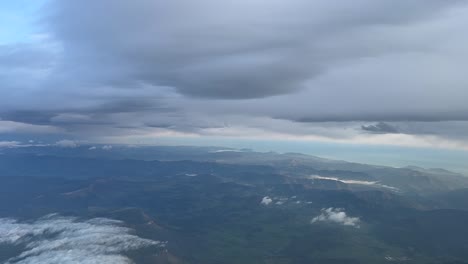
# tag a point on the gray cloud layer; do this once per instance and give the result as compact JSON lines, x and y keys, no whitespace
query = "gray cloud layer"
{"x":206,"y":67}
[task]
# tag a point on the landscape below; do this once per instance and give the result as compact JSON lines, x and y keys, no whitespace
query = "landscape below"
{"x":215,"y":205}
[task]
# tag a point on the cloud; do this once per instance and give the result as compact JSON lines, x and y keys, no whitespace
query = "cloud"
{"x":107,"y":147}
{"x":66,"y":143}
{"x":358,"y":182}
{"x":56,"y":239}
{"x":272,"y":49}
{"x":70,"y":118}
{"x":266,"y":200}
{"x":20,"y":127}
{"x":336,"y":215}
{"x":9,"y":144}
{"x":116,"y":69}
{"x":380,"y":128}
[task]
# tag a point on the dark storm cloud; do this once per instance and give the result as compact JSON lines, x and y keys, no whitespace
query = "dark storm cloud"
{"x":448,"y":129}
{"x":380,"y":128}
{"x":118,"y":67}
{"x":223,"y":49}
{"x":389,"y":117}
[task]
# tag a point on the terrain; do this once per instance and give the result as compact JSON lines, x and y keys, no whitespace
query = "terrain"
{"x":217,"y":205}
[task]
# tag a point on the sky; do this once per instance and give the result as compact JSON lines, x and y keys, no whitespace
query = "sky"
{"x":380,"y":81}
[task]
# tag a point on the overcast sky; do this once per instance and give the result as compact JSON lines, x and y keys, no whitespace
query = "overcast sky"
{"x":367,"y":72}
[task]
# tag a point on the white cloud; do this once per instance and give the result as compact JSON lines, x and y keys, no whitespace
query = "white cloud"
{"x":92,"y":148}
{"x":336,"y":215}
{"x":266,"y":200}
{"x":107,"y":147}
{"x":56,"y":240}
{"x":66,"y":143}
{"x":9,"y":144}
{"x":357,"y":182}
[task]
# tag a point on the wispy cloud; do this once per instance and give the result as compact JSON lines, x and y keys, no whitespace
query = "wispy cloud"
{"x":56,"y":239}
{"x":9,"y":144}
{"x":357,"y":182}
{"x":65,"y":143}
{"x":336,"y":215}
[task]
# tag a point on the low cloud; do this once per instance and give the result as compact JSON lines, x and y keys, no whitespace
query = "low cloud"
{"x":65,"y":143}
{"x":358,"y":182}
{"x":336,"y":215}
{"x":56,"y":239}
{"x":9,"y":144}
{"x":266,"y":200}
